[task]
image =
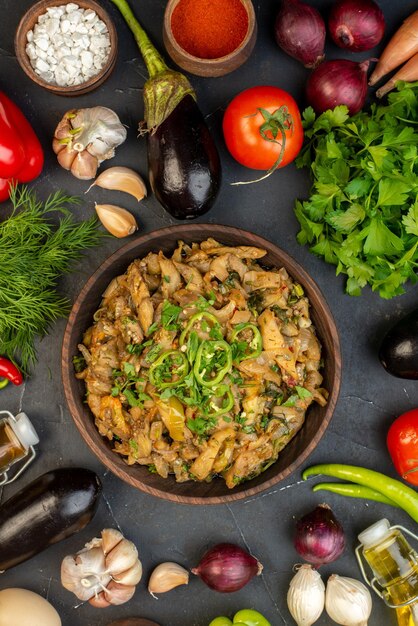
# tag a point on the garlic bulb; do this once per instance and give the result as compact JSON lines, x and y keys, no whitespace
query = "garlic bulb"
{"x":121,"y":179}
{"x":306,"y":596}
{"x":167,"y":576}
{"x":119,"y":222}
{"x":105,"y":572}
{"x":84,"y":138}
{"x":347,"y":601}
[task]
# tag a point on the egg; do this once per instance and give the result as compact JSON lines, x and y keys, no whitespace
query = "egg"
{"x":20,"y":607}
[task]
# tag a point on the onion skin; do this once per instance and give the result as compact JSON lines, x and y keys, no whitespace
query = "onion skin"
{"x":356,"y":25}
{"x":338,"y":82}
{"x":299,"y":30}
{"x":319,"y":536}
{"x":227,"y":568}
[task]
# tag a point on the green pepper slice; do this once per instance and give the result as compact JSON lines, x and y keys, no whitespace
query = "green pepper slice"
{"x":213,"y":362}
{"x":227,"y":401}
{"x":169,"y":370}
{"x":255,"y":344}
{"x":199,"y":317}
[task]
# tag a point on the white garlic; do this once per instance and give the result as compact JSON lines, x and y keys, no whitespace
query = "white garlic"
{"x":347,"y":601}
{"x":122,"y":179}
{"x":105,"y":571}
{"x":84,"y":138}
{"x":306,"y":596}
{"x":118,"y":221}
{"x":167,"y":576}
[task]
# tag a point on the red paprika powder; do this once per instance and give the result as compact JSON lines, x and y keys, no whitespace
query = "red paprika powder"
{"x":209,"y":29}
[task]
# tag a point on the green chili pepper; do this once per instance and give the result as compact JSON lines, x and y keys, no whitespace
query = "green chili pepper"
{"x":225,"y":406}
{"x":354,"y":491}
{"x":249,"y":617}
{"x":255,"y":344}
{"x":404,"y":496}
{"x":161,"y":369}
{"x":213,"y":357}
{"x":198,"y":317}
{"x":3,"y":382}
{"x":221,"y":621}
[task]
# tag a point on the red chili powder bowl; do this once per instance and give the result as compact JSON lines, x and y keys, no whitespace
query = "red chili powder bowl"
{"x":209,"y":29}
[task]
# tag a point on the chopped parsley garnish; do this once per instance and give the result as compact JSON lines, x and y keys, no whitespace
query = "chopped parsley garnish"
{"x":170,"y":315}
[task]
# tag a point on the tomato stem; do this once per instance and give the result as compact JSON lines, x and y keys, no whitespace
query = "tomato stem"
{"x":275,"y":124}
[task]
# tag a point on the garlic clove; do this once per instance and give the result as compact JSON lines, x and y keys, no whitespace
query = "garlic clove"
{"x":118,"y":221}
{"x":84,"y":165}
{"x":57,"y":145}
{"x":116,"y":593}
{"x":347,"y":601}
{"x":131,"y":576}
{"x":110,"y":538}
{"x":122,"y":179}
{"x":99,"y":601}
{"x":66,"y":157}
{"x":306,"y":596}
{"x":167,"y":576}
{"x":84,"y":573}
{"x":122,"y":557}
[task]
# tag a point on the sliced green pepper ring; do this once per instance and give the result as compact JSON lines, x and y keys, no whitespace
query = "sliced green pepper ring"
{"x":4,"y":382}
{"x":255,"y":344}
{"x":206,"y":363}
{"x":227,"y":403}
{"x":198,"y":317}
{"x":161,"y":369}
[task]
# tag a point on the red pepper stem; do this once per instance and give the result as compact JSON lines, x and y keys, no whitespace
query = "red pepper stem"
{"x":10,"y":371}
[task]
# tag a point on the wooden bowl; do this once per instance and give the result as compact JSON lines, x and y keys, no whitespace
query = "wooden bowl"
{"x":215,"y":492}
{"x":27,"y":23}
{"x":209,"y":67}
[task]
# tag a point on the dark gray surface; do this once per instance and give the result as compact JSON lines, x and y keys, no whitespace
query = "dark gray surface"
{"x":369,"y":398}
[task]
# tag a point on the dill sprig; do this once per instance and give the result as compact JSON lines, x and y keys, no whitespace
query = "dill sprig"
{"x":34,"y":253}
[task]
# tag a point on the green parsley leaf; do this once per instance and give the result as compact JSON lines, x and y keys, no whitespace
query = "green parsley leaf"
{"x":170,"y":315}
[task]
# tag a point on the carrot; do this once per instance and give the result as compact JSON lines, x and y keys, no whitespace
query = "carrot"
{"x":408,"y":73}
{"x":402,"y":46}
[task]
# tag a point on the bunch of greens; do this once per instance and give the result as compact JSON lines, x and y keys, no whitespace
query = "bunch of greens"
{"x":34,"y":253}
{"x":362,"y":215}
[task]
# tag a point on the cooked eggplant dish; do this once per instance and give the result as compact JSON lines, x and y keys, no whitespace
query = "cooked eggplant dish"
{"x":202,"y":364}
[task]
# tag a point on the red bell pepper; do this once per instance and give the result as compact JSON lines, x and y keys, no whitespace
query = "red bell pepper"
{"x":21,"y":154}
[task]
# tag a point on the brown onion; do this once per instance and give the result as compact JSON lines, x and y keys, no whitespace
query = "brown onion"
{"x":356,"y":25}
{"x":338,"y":82}
{"x":319,"y":536}
{"x":300,"y":31}
{"x":227,"y":567}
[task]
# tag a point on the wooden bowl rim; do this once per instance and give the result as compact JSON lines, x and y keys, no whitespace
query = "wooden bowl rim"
{"x":188,"y":232}
{"x":252,"y":26}
{"x":29,"y":19}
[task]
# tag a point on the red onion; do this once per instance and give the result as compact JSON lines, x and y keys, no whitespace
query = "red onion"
{"x":338,"y":82}
{"x":356,"y":24}
{"x":227,"y":567}
{"x":300,"y":31}
{"x":319,"y":536}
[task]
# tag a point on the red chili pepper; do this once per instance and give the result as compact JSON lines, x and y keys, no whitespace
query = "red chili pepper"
{"x":9,"y":371}
{"x":21,"y":154}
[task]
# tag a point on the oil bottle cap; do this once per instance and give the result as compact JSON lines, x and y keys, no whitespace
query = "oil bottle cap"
{"x":374,"y":533}
{"x":24,"y":430}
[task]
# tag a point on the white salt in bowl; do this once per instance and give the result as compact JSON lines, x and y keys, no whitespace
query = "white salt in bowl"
{"x":30,"y":19}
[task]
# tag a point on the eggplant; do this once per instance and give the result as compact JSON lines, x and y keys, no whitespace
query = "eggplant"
{"x":51,"y":508}
{"x":183,"y":161}
{"x":398,"y":352}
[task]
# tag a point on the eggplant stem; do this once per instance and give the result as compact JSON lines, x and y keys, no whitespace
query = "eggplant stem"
{"x":154,"y":62}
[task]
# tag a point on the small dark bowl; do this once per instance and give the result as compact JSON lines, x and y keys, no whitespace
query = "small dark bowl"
{"x":209,"y":67}
{"x":215,"y":492}
{"x":27,"y":23}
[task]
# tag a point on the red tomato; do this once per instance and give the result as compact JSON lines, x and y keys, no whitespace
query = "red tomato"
{"x":252,"y":138}
{"x":402,"y":442}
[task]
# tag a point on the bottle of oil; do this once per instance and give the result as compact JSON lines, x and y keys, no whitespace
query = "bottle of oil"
{"x":395,"y":567}
{"x":17,"y":434}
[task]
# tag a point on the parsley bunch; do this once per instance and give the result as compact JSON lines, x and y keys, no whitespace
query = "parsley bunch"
{"x":362,"y":215}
